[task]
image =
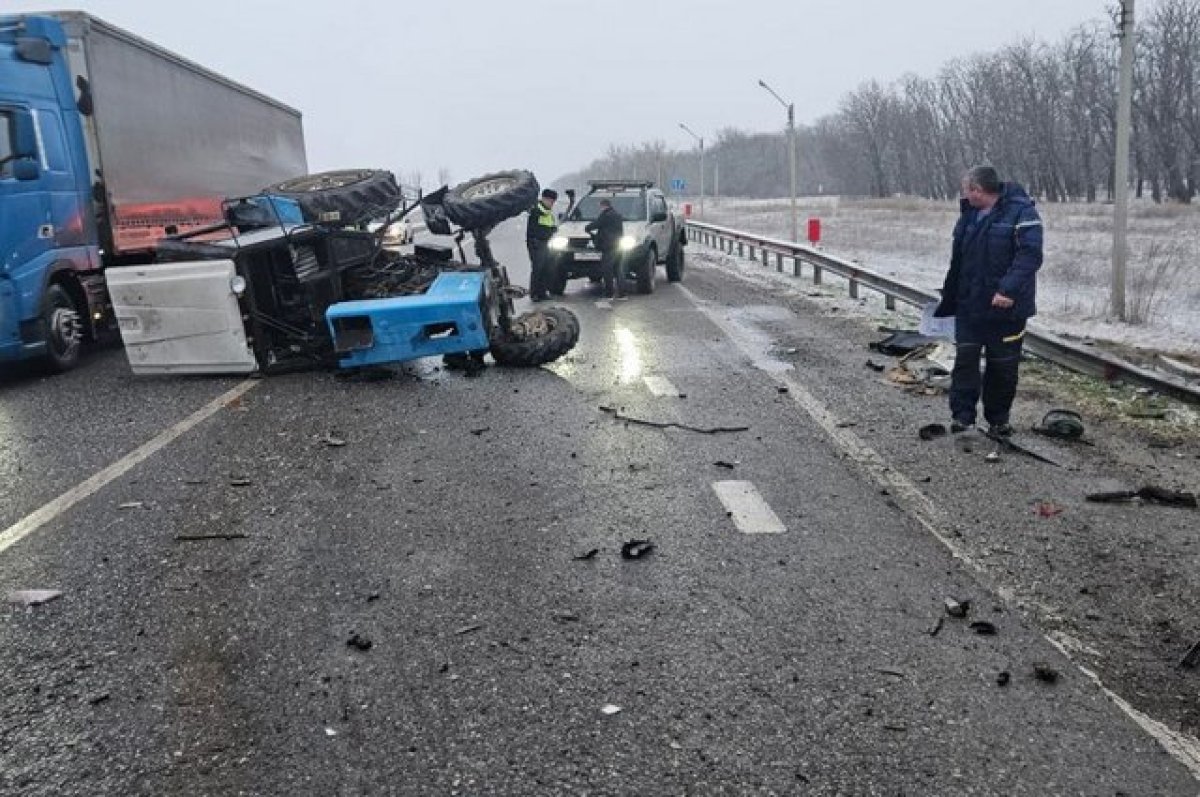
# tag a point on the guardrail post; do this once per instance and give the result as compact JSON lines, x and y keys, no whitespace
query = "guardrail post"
{"x":779,"y":262}
{"x":889,"y":301}
{"x":741,"y":249}
{"x":816,"y":274}
{"x":853,"y":288}
{"x":751,"y":249}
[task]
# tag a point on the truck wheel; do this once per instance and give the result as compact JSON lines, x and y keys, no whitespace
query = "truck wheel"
{"x":63,"y":329}
{"x":343,"y":197}
{"x":645,"y":275}
{"x":675,"y":263}
{"x":536,"y":338}
{"x":486,"y":201}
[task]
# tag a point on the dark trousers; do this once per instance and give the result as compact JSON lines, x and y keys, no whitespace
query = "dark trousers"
{"x":610,"y":271}
{"x":539,"y":264}
{"x":1000,"y":344}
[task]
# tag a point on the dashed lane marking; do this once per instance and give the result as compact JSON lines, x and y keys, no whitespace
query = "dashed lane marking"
{"x":40,"y":517}
{"x":1182,"y":747}
{"x":748,"y":510}
{"x":661,"y":386}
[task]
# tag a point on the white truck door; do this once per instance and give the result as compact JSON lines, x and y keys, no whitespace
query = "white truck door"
{"x":181,"y":318}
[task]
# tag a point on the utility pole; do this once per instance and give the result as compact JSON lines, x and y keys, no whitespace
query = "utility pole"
{"x":1120,"y":250}
{"x":791,"y":135}
{"x":700,"y":139}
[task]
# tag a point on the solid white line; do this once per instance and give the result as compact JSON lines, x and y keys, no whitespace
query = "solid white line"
{"x":40,"y":517}
{"x":661,"y":386}
{"x":747,"y":508}
{"x":1183,"y":748}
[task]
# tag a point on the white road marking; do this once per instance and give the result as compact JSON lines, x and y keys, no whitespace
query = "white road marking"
{"x":40,"y":517}
{"x":1183,"y":748}
{"x":747,"y":508}
{"x":661,"y":386}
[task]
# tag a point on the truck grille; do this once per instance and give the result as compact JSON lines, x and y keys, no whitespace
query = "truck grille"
{"x":579,"y":243}
{"x":304,"y":261}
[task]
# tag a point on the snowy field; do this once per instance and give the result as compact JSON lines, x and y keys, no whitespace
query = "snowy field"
{"x":909,"y":239}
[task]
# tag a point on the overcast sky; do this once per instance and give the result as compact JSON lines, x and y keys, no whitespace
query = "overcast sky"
{"x":478,"y":85}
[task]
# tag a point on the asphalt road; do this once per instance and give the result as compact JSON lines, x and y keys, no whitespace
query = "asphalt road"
{"x":438,"y":520}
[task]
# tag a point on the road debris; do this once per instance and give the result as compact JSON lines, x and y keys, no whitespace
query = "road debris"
{"x":1007,"y":442}
{"x":359,"y":642}
{"x":1149,"y":493}
{"x":98,"y":698}
{"x":566,"y":617}
{"x":332,"y":440}
{"x":957,"y":608}
{"x":932,"y":431}
{"x":636,"y":549}
{"x":1047,"y":509}
{"x":610,"y":709}
{"x":33,"y":597}
{"x":481,"y":430}
{"x":992,"y":457}
{"x":1061,"y":424}
{"x":937,"y":627}
{"x":240,"y":481}
{"x":720,"y":463}
{"x":618,"y":415}
{"x":1003,"y":677}
{"x":1045,"y":673}
{"x":587,"y":555}
{"x":900,"y":342}
{"x":1191,"y":658}
{"x":983,"y":628}
{"x":893,"y":672}
{"x":874,"y":366}
{"x":131,"y":505}
{"x":468,"y":629}
{"x":215,"y":536}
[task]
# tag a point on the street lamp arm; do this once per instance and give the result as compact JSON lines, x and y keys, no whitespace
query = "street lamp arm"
{"x":773,"y":93}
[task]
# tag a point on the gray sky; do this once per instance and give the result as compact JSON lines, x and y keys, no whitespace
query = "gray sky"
{"x":477,"y":85}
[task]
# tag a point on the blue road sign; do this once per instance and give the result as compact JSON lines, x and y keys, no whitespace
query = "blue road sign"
{"x":678,"y":184}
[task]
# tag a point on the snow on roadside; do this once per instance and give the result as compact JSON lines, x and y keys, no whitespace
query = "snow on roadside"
{"x":909,"y":240}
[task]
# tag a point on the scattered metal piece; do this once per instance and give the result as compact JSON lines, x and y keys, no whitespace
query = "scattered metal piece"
{"x":720,"y":463}
{"x":937,"y":627}
{"x":467,"y":629}
{"x":931,"y":431}
{"x":610,"y":709}
{"x":892,"y":672}
{"x":957,"y":608}
{"x":1191,"y":658}
{"x":98,"y":698}
{"x":895,"y":726}
{"x":359,"y":642}
{"x":1061,"y":424}
{"x":566,"y":617}
{"x":240,"y":482}
{"x":1007,"y":442}
{"x":586,"y":555}
{"x":992,"y":456}
{"x":983,"y":628}
{"x":636,"y":549}
{"x":874,"y":366}
{"x":782,"y":389}
{"x":1149,"y":493}
{"x":617,"y":414}
{"x":1003,"y":677}
{"x":481,"y":430}
{"x":215,"y":536}
{"x":1044,"y":672}
{"x":131,"y":505}
{"x":33,"y":597}
{"x":333,"y":441}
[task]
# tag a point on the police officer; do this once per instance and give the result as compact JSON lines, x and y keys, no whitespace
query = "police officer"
{"x":606,"y":231}
{"x":540,"y":229}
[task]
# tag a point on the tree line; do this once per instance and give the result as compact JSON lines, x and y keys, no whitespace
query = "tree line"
{"x":1043,"y":113}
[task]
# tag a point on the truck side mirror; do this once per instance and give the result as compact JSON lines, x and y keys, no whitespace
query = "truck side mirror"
{"x":24,"y":134}
{"x":658,"y":215}
{"x":35,"y":50}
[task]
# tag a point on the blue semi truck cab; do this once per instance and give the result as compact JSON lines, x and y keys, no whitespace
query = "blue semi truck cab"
{"x":109,"y":142}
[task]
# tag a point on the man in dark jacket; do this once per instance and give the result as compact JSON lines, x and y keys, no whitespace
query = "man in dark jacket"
{"x":538,"y":231}
{"x":606,"y":231}
{"x":990,"y":289}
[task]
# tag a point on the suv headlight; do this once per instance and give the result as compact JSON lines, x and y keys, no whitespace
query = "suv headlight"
{"x":627,"y":243}
{"x":558,"y":243}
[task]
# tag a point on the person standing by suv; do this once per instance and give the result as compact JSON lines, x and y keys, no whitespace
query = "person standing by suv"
{"x":606,"y":231}
{"x":538,"y":231}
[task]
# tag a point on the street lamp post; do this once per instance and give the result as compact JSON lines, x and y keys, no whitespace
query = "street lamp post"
{"x":791,"y":132}
{"x":699,"y":139}
{"x":1120,"y":249}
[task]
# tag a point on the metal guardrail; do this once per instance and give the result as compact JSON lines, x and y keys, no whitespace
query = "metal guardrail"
{"x":1044,"y":344}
